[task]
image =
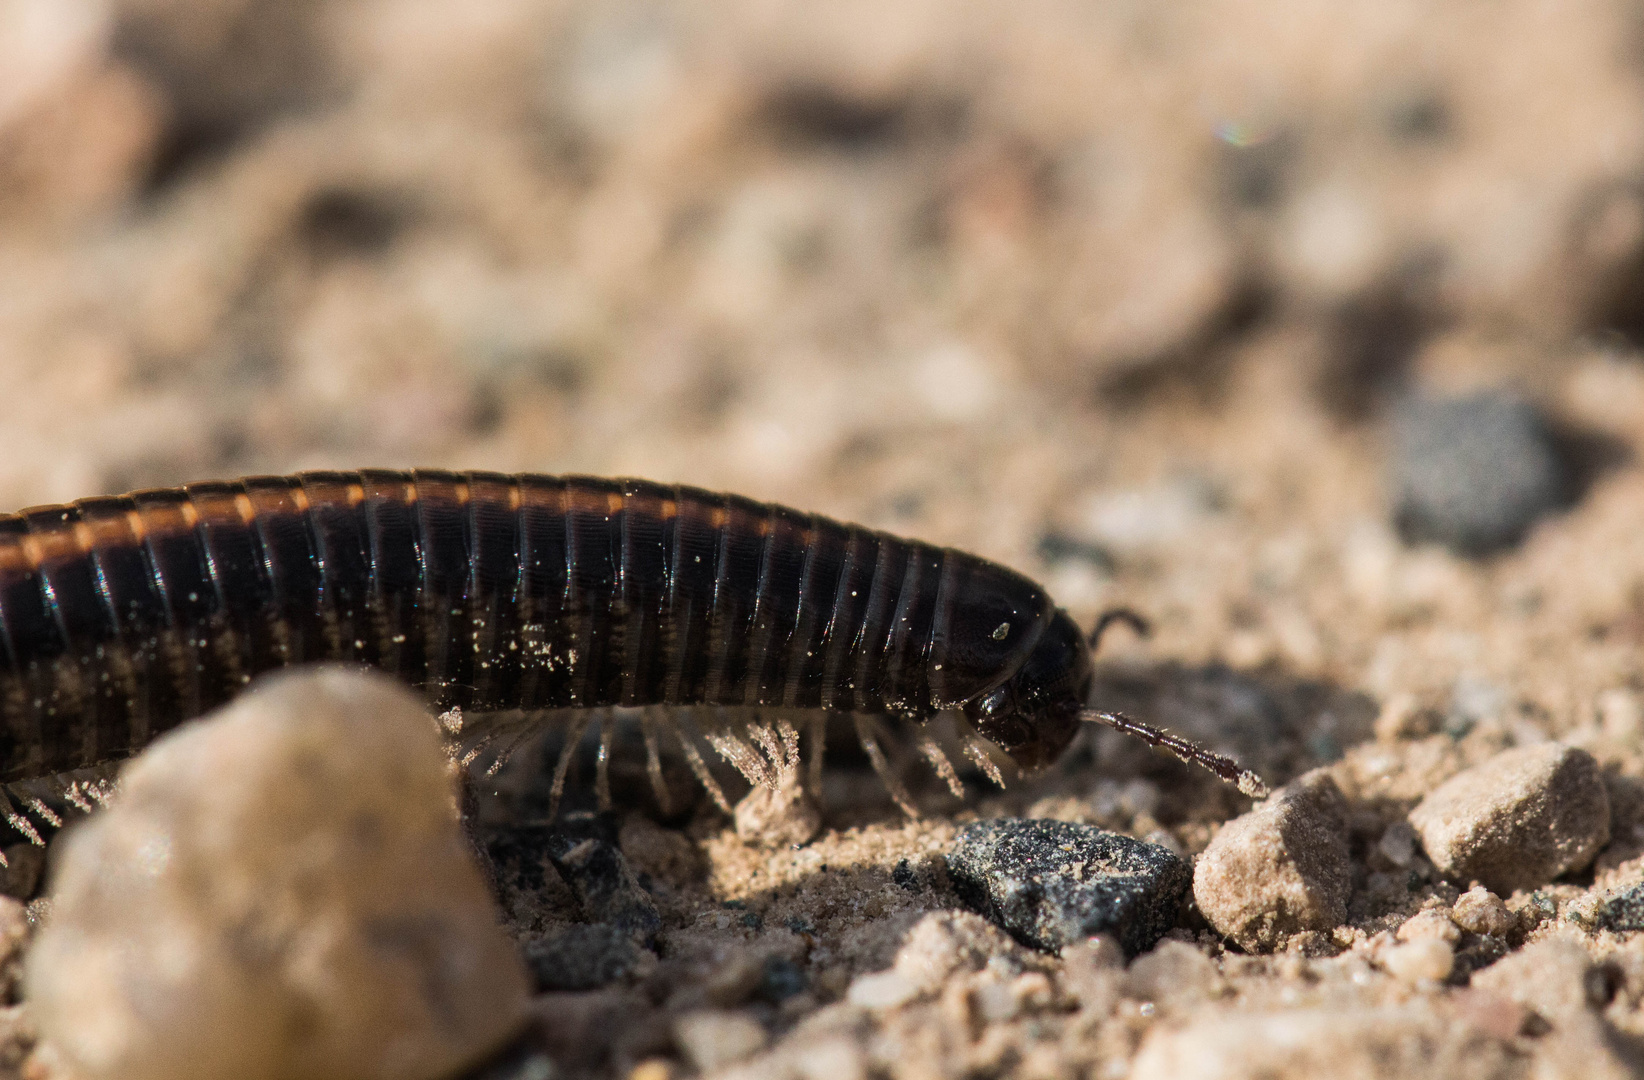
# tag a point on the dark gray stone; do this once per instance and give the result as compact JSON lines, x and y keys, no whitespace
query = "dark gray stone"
{"x":1624,"y":910}
{"x":1051,"y":884}
{"x":583,"y":848}
{"x":1473,"y":473}
{"x":780,"y":980}
{"x":584,"y":957}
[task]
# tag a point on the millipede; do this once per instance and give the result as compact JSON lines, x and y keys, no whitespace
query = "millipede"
{"x":123,"y":616}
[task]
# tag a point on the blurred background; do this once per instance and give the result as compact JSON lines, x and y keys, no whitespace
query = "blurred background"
{"x":1183,"y":306}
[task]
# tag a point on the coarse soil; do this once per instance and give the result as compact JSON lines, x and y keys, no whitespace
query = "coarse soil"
{"x":1123,"y":299}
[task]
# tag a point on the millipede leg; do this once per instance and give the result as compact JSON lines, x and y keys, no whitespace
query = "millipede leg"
{"x":977,"y":751}
{"x":573,"y":737}
{"x":23,"y":825}
{"x":870,"y":744}
{"x":693,"y":757}
{"x":77,"y":794}
{"x":528,"y":729}
{"x":43,"y":812}
{"x":653,"y":763}
{"x":939,"y":761}
{"x":602,"y":763}
{"x":818,"y":740}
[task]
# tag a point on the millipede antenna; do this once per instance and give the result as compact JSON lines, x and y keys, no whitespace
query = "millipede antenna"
{"x":1124,"y":615}
{"x":1190,"y":752}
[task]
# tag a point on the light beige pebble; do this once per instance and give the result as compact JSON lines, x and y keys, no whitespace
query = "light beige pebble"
{"x":278,"y":891}
{"x":1431,"y":923}
{"x":1425,"y":959}
{"x":1553,"y":977}
{"x":777,"y":816}
{"x":1173,"y":973}
{"x":1280,"y":869}
{"x":944,"y":943}
{"x":1411,"y":1043}
{"x":881,"y":990}
{"x":1480,"y":911}
{"x":1518,"y":820}
{"x":711,"y":1039}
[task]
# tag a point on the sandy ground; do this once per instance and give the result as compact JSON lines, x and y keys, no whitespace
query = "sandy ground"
{"x":1123,"y":298}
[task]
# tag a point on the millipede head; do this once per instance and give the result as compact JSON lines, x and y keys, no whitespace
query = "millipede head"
{"x":1034,"y":714}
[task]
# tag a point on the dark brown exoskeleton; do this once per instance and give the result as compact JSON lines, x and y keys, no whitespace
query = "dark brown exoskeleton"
{"x":121,"y":617}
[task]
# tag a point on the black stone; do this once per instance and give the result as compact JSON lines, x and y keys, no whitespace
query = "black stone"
{"x":583,"y":848}
{"x":584,"y":957}
{"x":1473,"y":473}
{"x":1051,"y":883}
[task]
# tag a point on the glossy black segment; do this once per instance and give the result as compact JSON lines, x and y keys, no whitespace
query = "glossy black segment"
{"x":342,"y":547}
{"x":645,"y":547}
{"x":175,"y":553}
{"x":122,"y":567}
{"x":234,"y":558}
{"x":291,"y":562}
{"x":69,"y":578}
{"x":593,"y":556}
{"x":845,"y":627}
{"x":776,"y":608}
{"x":869,"y":649}
{"x":825,"y":558}
{"x":493,"y":586}
{"x":32,"y":633}
{"x":908,"y":650}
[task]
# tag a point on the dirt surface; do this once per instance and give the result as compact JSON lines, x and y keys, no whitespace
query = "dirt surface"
{"x":1128,"y":299}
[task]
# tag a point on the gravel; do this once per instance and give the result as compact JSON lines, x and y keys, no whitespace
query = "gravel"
{"x":319,"y":916}
{"x":1051,"y":883}
{"x":1280,"y":869}
{"x":1473,"y":473}
{"x":1518,"y":820}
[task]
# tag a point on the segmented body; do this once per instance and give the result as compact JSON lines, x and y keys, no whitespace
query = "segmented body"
{"x":121,"y":617}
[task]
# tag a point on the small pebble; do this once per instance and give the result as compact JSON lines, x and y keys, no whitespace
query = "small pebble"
{"x":1052,"y":883}
{"x":1518,"y":820}
{"x":1175,"y":973}
{"x":1429,"y":924}
{"x":777,"y":816}
{"x":1279,"y":870}
{"x":1624,"y":910}
{"x":780,"y":980}
{"x":883,"y":990}
{"x":280,"y":891}
{"x":1553,"y":977}
{"x":25,"y":866}
{"x":945,"y":943}
{"x":583,"y":847}
{"x":1473,"y":473}
{"x":1425,"y":959}
{"x":1480,"y":911}
{"x":586,"y":957}
{"x":1094,"y":972}
{"x":712,"y":1039}
{"x":1414,"y":1042}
